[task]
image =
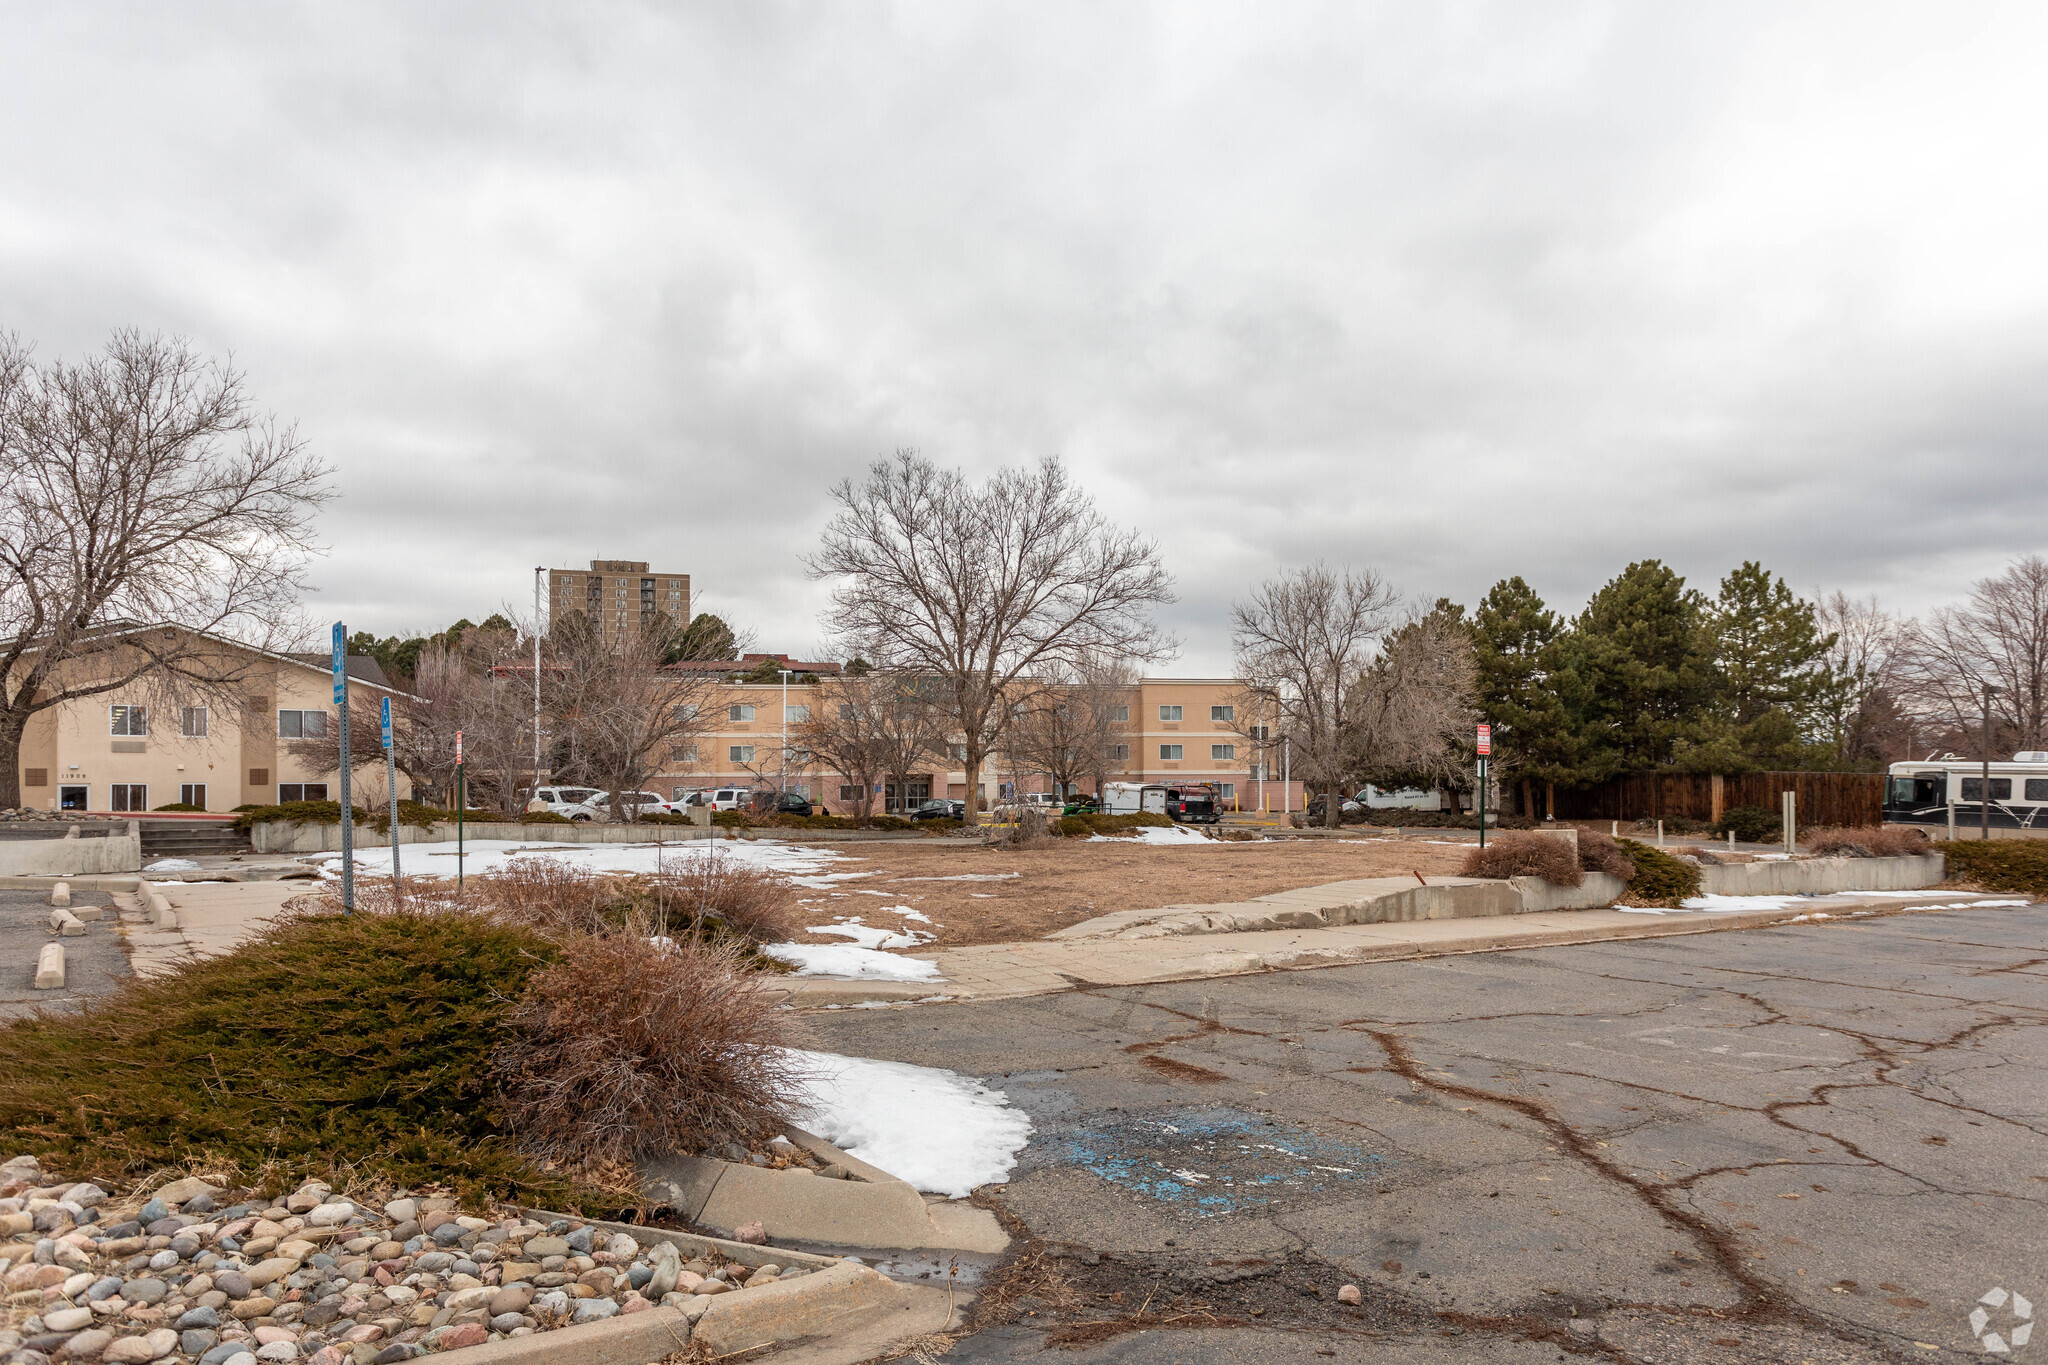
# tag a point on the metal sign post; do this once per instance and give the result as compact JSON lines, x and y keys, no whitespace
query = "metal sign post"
{"x":348,"y":824}
{"x":391,"y":787}
{"x":1485,"y":748}
{"x":461,"y":800}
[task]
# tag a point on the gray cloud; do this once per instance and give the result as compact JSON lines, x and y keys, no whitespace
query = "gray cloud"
{"x":1458,"y":292}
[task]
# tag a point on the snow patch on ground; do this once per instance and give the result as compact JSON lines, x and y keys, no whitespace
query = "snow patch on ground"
{"x":172,"y":865}
{"x":872,"y":935}
{"x":852,"y":962}
{"x":803,"y":864}
{"x":1155,"y":834}
{"x":967,"y":877}
{"x":942,"y":1132}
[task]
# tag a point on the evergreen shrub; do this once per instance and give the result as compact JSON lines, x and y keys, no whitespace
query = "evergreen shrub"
{"x":1751,"y":824}
{"x":1659,"y":878}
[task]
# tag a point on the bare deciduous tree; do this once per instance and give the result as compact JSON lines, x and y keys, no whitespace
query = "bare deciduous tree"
{"x":1858,"y":704}
{"x":615,"y":708}
{"x":874,"y":727}
{"x":139,"y":487}
{"x":2000,"y":636}
{"x":1303,"y":640}
{"x":977,"y":588}
{"x":1412,"y":711}
{"x":1071,"y":722}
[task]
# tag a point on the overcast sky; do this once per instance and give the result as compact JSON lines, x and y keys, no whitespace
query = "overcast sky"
{"x":1452,"y":290}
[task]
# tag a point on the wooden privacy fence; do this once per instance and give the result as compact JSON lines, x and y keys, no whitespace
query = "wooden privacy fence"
{"x":1824,"y":798}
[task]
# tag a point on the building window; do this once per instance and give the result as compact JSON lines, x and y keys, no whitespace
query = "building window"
{"x":130,"y":796}
{"x":1169,"y":713}
{"x":846,"y":710}
{"x":192,"y":722}
{"x":958,"y":752}
{"x":740,"y":712}
{"x":1121,"y":716}
{"x":847,"y":793}
{"x":1227,"y":790}
{"x":1222,"y":752}
{"x":1261,"y":733}
{"x":302,"y":725}
{"x":192,"y":794}
{"x":1170,"y":752}
{"x":687,"y":712}
{"x":1224,"y":713}
{"x":1119,"y":753}
{"x":683,"y":753}
{"x":801,"y":758}
{"x":740,"y":753}
{"x":301,"y":791}
{"x":796,"y":715}
{"x":129,"y":720}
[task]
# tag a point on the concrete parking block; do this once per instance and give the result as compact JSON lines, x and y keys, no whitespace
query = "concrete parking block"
{"x":50,"y":967}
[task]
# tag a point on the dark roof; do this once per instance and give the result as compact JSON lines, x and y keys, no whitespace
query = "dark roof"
{"x":747,"y":663}
{"x":361,"y":667}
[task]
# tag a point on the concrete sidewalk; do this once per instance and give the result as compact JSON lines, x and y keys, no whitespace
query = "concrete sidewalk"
{"x":1004,"y":970}
{"x":212,"y":917}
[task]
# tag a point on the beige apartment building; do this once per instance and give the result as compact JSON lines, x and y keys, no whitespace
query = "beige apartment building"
{"x":619,"y":595}
{"x":1181,"y":730}
{"x":137,"y":748}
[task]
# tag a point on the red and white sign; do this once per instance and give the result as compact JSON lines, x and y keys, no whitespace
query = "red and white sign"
{"x":458,"y":746}
{"x":1485,"y":740}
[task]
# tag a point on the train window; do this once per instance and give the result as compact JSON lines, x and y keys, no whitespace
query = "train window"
{"x":1973,"y":789}
{"x":2037,"y":789}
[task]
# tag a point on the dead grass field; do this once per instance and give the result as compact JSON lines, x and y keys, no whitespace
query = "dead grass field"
{"x":1005,"y":895}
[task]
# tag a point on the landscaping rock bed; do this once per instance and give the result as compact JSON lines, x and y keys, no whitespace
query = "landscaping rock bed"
{"x":197,"y":1273}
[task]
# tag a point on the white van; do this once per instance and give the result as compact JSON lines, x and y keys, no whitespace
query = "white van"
{"x":1130,"y":798}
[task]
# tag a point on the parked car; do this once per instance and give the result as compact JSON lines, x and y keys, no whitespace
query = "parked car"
{"x":645,"y":803}
{"x":573,"y":803}
{"x":729,"y":798}
{"x":939,"y":808}
{"x":1192,"y":806}
{"x":768,"y":801}
{"x":1349,"y":808}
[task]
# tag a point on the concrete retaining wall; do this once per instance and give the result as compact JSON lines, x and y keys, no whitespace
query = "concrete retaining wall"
{"x":1821,"y":876}
{"x":283,"y":836}
{"x":115,"y":852}
{"x":1598,"y":889}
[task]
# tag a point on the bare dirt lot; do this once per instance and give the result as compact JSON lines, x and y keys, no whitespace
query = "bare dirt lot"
{"x":1003,"y":895}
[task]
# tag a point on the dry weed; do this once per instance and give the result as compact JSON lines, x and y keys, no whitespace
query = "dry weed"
{"x":1876,"y":841}
{"x":626,"y":1047}
{"x":1600,"y":853}
{"x":1526,"y":855}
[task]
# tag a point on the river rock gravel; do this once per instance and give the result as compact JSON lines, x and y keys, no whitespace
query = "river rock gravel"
{"x":192,"y":1272}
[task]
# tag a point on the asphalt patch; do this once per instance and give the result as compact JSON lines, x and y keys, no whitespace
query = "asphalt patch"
{"x":1214,"y":1162}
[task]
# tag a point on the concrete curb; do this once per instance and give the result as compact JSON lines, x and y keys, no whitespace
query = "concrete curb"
{"x":837,"y":1299}
{"x":877,"y":1212}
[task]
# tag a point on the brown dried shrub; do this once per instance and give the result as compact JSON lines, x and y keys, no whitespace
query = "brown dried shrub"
{"x":1525,"y":855}
{"x":1599,"y":853}
{"x":1875,"y":841}
{"x":624,"y":1048}
{"x":548,"y":896}
{"x":716,"y":890}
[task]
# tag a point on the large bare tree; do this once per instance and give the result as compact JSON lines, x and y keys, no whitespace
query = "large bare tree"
{"x":140,"y":488}
{"x":873,"y":727}
{"x":616,"y":710}
{"x":1302,"y":641}
{"x":1412,"y":710}
{"x":1859,"y":705}
{"x":976,"y":588}
{"x":1072,"y":719}
{"x":2000,"y":637}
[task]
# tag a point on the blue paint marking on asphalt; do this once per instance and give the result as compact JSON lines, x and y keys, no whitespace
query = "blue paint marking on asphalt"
{"x":1217,"y":1161}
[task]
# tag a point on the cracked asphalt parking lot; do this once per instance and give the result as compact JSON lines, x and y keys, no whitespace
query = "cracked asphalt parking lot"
{"x":1814,"y":1144}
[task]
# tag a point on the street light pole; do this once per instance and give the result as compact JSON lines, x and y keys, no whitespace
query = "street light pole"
{"x":783,"y":778}
{"x":1984,"y":807}
{"x":539,"y":574}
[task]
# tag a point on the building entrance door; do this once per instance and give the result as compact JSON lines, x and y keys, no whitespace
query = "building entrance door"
{"x":72,"y":798}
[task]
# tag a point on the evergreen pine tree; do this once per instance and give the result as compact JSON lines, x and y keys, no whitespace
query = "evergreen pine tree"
{"x":1644,"y":651}
{"x":1772,"y":659}
{"x":1521,"y":686}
